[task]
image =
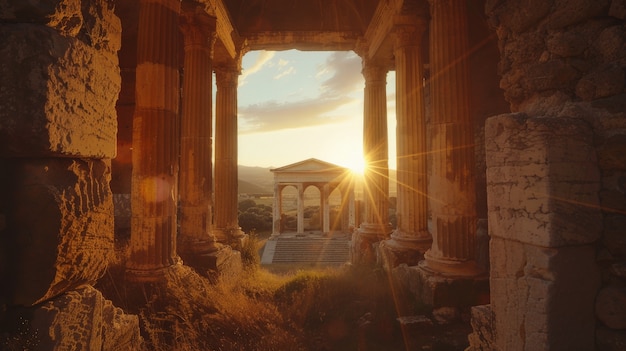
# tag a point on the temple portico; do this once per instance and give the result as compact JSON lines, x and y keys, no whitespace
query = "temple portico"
{"x":324,"y":176}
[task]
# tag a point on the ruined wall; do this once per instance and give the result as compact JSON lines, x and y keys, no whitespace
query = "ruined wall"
{"x":60,"y":81}
{"x":555,"y":176}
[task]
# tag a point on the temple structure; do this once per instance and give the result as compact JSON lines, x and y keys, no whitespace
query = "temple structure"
{"x":511,"y":135}
{"x":327,"y":178}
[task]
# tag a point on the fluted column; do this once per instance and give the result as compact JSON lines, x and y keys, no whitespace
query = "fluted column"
{"x":453,"y":199}
{"x":412,"y":207}
{"x":226,"y":174}
{"x":375,"y":225}
{"x":155,"y":142}
{"x":196,"y":179}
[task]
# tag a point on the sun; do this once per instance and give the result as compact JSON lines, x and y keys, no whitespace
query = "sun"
{"x":356,"y":165}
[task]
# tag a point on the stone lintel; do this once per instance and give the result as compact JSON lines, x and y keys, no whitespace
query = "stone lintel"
{"x":226,"y":33}
{"x":302,"y":40}
{"x":380,"y":28}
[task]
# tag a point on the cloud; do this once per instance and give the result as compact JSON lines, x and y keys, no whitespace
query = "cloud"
{"x":286,"y":72}
{"x":346,"y":78}
{"x":344,"y":71}
{"x":263,"y":59}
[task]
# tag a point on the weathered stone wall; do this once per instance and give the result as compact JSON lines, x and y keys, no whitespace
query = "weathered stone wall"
{"x":555,"y":175}
{"x":60,"y":81}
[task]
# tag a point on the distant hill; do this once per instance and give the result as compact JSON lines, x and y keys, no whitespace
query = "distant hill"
{"x":255,"y":180}
{"x":259,"y":180}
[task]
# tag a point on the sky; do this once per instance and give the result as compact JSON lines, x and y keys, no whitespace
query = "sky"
{"x":295,"y":105}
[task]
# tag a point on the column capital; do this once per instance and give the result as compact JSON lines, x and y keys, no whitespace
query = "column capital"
{"x":408,"y":30}
{"x":197,"y":26}
{"x":374,"y":72}
{"x":226,"y":75}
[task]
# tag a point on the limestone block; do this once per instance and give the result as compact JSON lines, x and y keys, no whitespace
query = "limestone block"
{"x":542,"y":180}
{"x":63,"y":14}
{"x":59,"y":226}
{"x":611,"y":307}
{"x":543,"y":298}
{"x":84,"y":320}
{"x":58,"y":95}
{"x":614,"y":238}
{"x":568,"y":12}
{"x":610,"y":340}
{"x":482,"y":338}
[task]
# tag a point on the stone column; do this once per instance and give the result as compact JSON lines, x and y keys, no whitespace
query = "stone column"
{"x":300,"y":221}
{"x":325,"y":208}
{"x":226,"y":173}
{"x":277,"y":210}
{"x":196,"y":179}
{"x":155,"y":142}
{"x":411,"y":239}
{"x":452,"y":193}
{"x":375,"y":225}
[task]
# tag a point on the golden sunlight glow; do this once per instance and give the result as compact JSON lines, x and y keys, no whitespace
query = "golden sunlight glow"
{"x":356,"y":165}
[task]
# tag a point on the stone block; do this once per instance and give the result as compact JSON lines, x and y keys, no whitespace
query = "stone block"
{"x":543,"y":298}
{"x":542,"y":180}
{"x":59,"y":226}
{"x":610,"y":340}
{"x":77,"y":320}
{"x":483,"y":337}
{"x":437,"y":290}
{"x":58,"y":94}
{"x":611,"y":307}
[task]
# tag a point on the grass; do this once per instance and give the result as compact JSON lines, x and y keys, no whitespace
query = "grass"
{"x":321,"y":309}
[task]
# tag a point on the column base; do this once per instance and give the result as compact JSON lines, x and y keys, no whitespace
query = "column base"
{"x":451,"y":268}
{"x":233,"y":237}
{"x":223,"y":264}
{"x":152,"y":275}
{"x":365,"y":241}
{"x":437,"y":291}
{"x":403,"y":249}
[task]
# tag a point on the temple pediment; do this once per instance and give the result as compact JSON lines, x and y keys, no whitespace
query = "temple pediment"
{"x":311,"y":165}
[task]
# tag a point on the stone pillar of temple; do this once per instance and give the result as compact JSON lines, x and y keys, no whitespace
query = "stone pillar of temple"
{"x":375,"y":225}
{"x":453,"y":191}
{"x":226,"y":225}
{"x":277,"y":209}
{"x":411,"y":238}
{"x":300,"y":221}
{"x":325,"y":208}
{"x":196,"y":243}
{"x":155,"y":142}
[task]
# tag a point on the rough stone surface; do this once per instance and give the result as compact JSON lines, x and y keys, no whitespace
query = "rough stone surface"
{"x":538,"y":193}
{"x":60,"y":80}
{"x":82,"y":320}
{"x":610,"y":340}
{"x":611,"y":307}
{"x":482,"y":320}
{"x":440,"y":291}
{"x":60,"y":217}
{"x":539,"y":298}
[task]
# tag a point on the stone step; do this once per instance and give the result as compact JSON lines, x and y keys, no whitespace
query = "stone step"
{"x":311,"y":250}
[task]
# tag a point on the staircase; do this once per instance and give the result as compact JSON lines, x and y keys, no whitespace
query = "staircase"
{"x":322,"y":251}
